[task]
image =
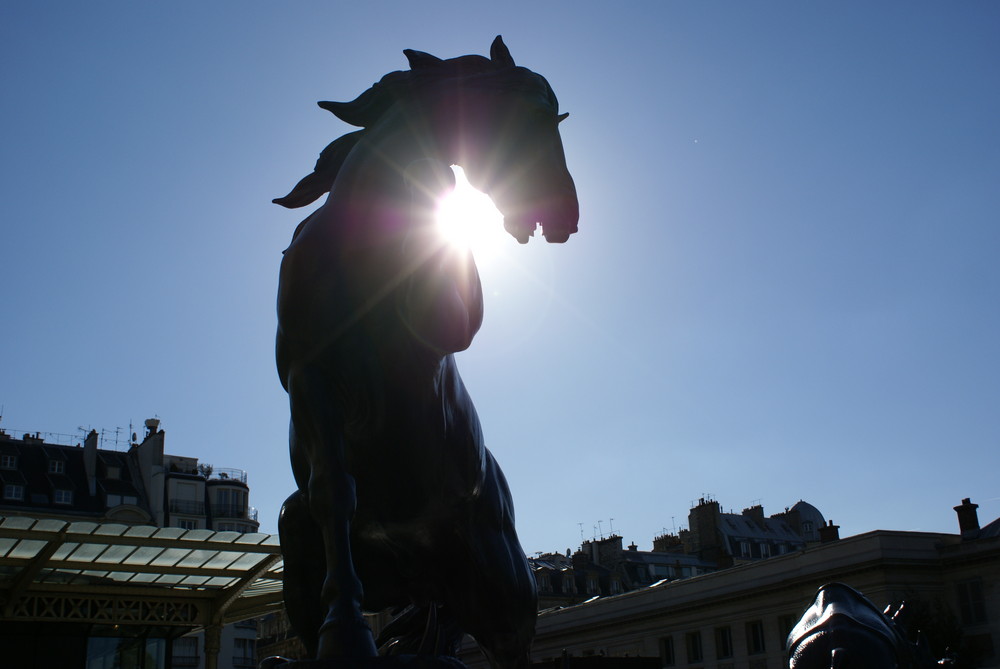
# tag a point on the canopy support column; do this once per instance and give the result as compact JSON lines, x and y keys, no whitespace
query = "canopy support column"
{"x":213,"y":643}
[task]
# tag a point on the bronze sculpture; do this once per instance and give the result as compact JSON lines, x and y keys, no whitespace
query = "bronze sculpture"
{"x":399,"y":504}
{"x":842,"y":629}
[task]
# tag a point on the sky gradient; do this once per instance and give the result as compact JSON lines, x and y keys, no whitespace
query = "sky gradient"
{"x":785,"y":284}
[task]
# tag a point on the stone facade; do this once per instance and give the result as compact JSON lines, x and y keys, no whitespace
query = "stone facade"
{"x":738,"y":617}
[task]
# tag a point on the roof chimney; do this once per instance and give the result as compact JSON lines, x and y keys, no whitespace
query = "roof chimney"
{"x":756,"y":514}
{"x":829,"y":532}
{"x":968,"y":519}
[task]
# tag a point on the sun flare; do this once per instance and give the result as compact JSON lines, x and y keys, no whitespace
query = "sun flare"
{"x":468,"y":218}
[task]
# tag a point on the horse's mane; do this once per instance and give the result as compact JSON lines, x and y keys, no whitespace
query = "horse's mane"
{"x":427,"y":74}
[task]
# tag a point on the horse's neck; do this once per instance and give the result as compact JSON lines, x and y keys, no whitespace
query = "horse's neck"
{"x":369,"y":203}
{"x":379,"y":165}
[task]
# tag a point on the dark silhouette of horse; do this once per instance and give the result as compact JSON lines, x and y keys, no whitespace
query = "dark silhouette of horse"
{"x":399,"y":503}
{"x":842,"y":629}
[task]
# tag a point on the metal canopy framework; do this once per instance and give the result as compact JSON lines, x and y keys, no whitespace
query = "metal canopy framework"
{"x":86,"y":572}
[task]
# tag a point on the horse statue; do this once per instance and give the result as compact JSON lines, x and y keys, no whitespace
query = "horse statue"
{"x":842,"y":629}
{"x":399,"y":504}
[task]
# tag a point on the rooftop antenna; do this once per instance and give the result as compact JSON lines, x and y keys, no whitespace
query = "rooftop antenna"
{"x":612,"y":523}
{"x":581,"y":531}
{"x":601,"y":528}
{"x":673,"y":525}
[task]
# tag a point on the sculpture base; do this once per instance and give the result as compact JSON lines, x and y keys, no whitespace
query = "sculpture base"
{"x":385,"y":662}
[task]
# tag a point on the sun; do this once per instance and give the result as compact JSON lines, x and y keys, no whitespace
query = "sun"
{"x":468,"y":218}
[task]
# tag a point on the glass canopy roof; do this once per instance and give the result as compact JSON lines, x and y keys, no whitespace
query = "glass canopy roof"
{"x":241,"y":573}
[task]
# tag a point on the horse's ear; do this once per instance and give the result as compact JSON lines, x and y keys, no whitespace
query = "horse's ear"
{"x":562,"y":117}
{"x":499,"y":53}
{"x":420,"y":60}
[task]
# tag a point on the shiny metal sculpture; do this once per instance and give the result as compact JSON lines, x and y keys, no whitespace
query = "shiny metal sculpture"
{"x":399,"y":504}
{"x":842,"y":629}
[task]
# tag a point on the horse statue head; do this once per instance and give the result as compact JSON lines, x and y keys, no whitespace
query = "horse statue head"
{"x":497,"y":120}
{"x":842,"y":629}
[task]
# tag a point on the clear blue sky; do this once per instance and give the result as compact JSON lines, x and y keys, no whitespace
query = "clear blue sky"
{"x":785,"y":284}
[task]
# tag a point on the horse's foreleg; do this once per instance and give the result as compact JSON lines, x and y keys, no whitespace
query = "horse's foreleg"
{"x":304,"y":569}
{"x":330,"y":491}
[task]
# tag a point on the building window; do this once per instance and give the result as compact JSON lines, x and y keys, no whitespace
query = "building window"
{"x":569,"y":586}
{"x":692,"y":641}
{"x":228,"y":497}
{"x":745,"y":549}
{"x":667,"y":651}
{"x":807,"y":527}
{"x":755,"y":637}
{"x":187,"y":524}
{"x":57,"y":466}
{"x":8,"y":462}
{"x":13,"y":491}
{"x":765,"y":550}
{"x":971,"y":604}
{"x":114,"y":500}
{"x":63,"y":497}
{"x":185,"y":652}
{"x":723,"y":643}
{"x":243,"y":653}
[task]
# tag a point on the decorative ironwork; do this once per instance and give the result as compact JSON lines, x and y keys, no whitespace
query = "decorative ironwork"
{"x":110,"y":610}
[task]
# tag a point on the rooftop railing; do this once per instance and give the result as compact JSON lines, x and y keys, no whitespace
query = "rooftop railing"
{"x":222,"y":474}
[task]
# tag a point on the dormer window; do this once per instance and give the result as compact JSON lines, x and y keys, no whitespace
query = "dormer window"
{"x":8,"y":462}
{"x":63,"y":497}
{"x":57,"y":466}
{"x":12,"y":491}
